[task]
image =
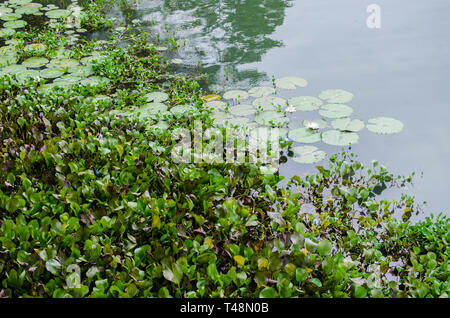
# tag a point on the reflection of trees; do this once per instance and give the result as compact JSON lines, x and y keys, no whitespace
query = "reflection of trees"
{"x":225,"y":34}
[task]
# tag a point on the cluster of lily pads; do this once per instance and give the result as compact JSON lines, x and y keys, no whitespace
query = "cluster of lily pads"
{"x":57,"y":68}
{"x":259,"y":107}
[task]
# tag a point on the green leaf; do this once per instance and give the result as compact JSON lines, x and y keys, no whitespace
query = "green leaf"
{"x":268,"y":292}
{"x":324,"y":247}
{"x":53,"y":266}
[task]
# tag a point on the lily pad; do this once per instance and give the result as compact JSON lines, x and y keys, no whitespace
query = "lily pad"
{"x":10,"y":16}
{"x":81,"y":71}
{"x":235,"y":121}
{"x":269,"y":103}
{"x":94,"y":81}
{"x":16,"y":24}
{"x":27,"y":10}
{"x":236,"y":95}
{"x":347,"y":124}
{"x":216,"y":104}
{"x":335,"y":111}
{"x":35,"y":62}
{"x":290,"y":82}
{"x":58,"y":13}
{"x":305,"y":103}
{"x":261,"y":91}
{"x":339,"y":138}
{"x":266,"y":133}
{"x":50,"y":73}
{"x":271,"y":118}
{"x":218,"y":117}
{"x":26,"y":75}
{"x":315,"y":124}
{"x":183,"y":109}
{"x":308,"y":154}
{"x":7,"y":32}
{"x":384,"y":125}
{"x":6,"y":60}
{"x":151,"y":109}
{"x":157,"y":97}
{"x":5,"y":10}
{"x":12,"y":70}
{"x":336,"y":96}
{"x":304,"y":135}
{"x":63,"y":63}
{"x":38,"y":47}
{"x":242,"y":110}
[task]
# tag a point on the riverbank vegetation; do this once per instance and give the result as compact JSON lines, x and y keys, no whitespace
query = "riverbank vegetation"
{"x":93,"y":205}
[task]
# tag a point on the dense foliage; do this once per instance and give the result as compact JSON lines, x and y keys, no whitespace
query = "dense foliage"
{"x":92,"y":205}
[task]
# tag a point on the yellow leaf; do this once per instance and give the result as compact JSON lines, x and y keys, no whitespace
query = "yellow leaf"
{"x":263,"y":263}
{"x":240,"y":260}
{"x":211,"y":97}
{"x":156,"y":222}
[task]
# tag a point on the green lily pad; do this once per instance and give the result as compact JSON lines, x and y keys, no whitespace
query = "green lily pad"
{"x":183,"y":109}
{"x":161,"y":125}
{"x":69,"y":79}
{"x":10,"y":16}
{"x":335,"y":111}
{"x":339,"y":138}
{"x":268,"y":169}
{"x":235,"y":121}
{"x":384,"y":125}
{"x":50,"y":73}
{"x":242,"y":110}
{"x":27,"y":10}
{"x":12,"y":70}
{"x":6,"y":60}
{"x":290,"y":82}
{"x":154,"y":108}
{"x":261,"y":91}
{"x":94,"y":81}
{"x":218,"y":117}
{"x":157,"y":97}
{"x":35,"y":62}
{"x":267,"y":133}
{"x":81,"y":71}
{"x":7,"y":32}
{"x":63,"y":63}
{"x":38,"y":47}
{"x":5,"y":10}
{"x":58,"y":13}
{"x":308,"y":154}
{"x":336,"y":96}
{"x":16,"y":24}
{"x":19,"y":2}
{"x":271,"y":118}
{"x":347,"y":124}
{"x":315,"y":124}
{"x":269,"y":103}
{"x":304,"y":135}
{"x":236,"y":95}
{"x":305,"y":103}
{"x":216,"y":104}
{"x":27,"y":75}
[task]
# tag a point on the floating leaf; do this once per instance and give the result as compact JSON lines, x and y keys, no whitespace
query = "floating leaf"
{"x":94,"y":81}
{"x":51,"y":73}
{"x":216,"y":104}
{"x":290,"y":82}
{"x":157,"y":97}
{"x":336,"y":96}
{"x":384,"y":125}
{"x":315,"y":124}
{"x":308,"y":154}
{"x":305,"y":103}
{"x":38,"y":47}
{"x":304,"y":135}
{"x":236,"y":95}
{"x":12,"y":69}
{"x":26,"y":75}
{"x":236,"y":121}
{"x":269,"y":103}
{"x":271,"y":118}
{"x":242,"y":110}
{"x":63,"y":63}
{"x":261,"y":91}
{"x":347,"y":124}
{"x":182,"y":109}
{"x":16,"y":24}
{"x":211,"y":97}
{"x":6,"y":32}
{"x":58,"y":13}
{"x":335,"y":111}
{"x":27,"y":10}
{"x":10,"y":16}
{"x":35,"y":62}
{"x":339,"y":138}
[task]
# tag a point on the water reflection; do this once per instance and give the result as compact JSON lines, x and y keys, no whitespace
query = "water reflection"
{"x":225,"y":36}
